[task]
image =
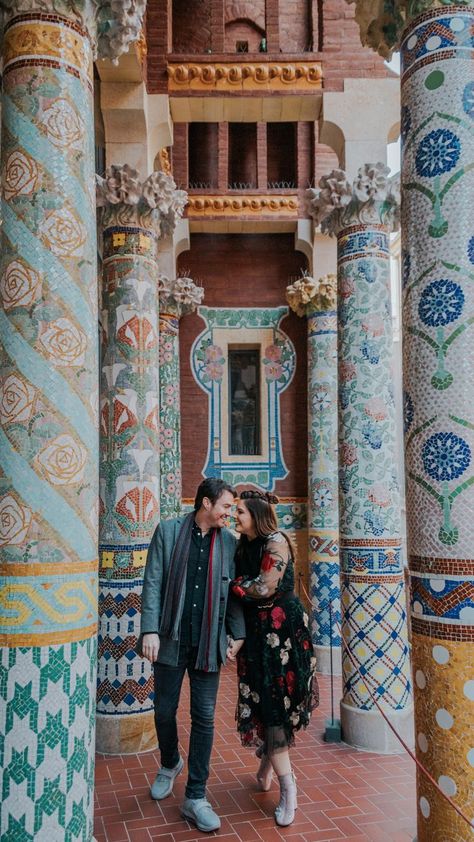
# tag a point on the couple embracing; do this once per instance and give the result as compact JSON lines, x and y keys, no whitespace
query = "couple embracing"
{"x":206,"y":598}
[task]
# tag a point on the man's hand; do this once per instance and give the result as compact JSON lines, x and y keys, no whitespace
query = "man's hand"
{"x":233,"y":646}
{"x":151,"y":646}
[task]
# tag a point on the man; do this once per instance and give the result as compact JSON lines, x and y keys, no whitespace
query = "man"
{"x":188,"y":624}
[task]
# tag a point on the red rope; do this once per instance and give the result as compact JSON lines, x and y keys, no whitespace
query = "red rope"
{"x":399,"y":738}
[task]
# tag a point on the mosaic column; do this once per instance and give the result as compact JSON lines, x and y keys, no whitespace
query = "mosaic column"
{"x":437,"y":128}
{"x":177,"y":298}
{"x":374,"y":623}
{"x":134,"y":215}
{"x":49,"y":415}
{"x":318,"y":302}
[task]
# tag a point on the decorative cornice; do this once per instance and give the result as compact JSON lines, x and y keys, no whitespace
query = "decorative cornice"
{"x":307,"y":296}
{"x":242,"y":205}
{"x":236,"y":77}
{"x":179,"y":297}
{"x":382,"y":22}
{"x":112,"y":25}
{"x":372,"y":198}
{"x":156,"y":197}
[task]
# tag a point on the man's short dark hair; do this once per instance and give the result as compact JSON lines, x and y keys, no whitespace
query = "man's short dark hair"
{"x":212,"y":488}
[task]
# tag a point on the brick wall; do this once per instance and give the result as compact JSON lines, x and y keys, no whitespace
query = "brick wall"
{"x":295,"y":34}
{"x":179,"y":155}
{"x":236,"y":270}
{"x":191,"y":31}
{"x":343,"y":55}
{"x":242,"y":31}
{"x":290,"y":26}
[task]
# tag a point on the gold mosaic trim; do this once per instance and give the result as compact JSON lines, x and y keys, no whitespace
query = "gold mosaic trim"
{"x":48,"y":568}
{"x":235,"y":77}
{"x":224,"y":206}
{"x":52,"y":638}
{"x":45,"y":40}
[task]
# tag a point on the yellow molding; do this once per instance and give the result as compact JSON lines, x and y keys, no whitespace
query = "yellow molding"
{"x":199,"y":206}
{"x":236,"y":77}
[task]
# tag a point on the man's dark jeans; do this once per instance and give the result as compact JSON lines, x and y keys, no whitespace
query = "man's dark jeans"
{"x":203,"y":686}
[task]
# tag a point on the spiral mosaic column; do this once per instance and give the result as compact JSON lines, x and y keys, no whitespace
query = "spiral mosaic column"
{"x":48,"y":418}
{"x":133,"y":217}
{"x":177,"y":297}
{"x":374,"y":623}
{"x":438,"y":314}
{"x":318,"y":301}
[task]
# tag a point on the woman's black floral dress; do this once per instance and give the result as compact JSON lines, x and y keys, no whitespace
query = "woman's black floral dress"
{"x":277,"y":687}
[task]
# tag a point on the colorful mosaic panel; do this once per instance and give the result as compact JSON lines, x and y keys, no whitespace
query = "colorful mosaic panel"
{"x":125,"y":682}
{"x":170,"y":417}
{"x":323,"y":512}
{"x":373,"y":605}
{"x":48,"y":736}
{"x":444,"y":700}
{"x":209,"y":363}
{"x":375,"y":631}
{"x":48,"y":432}
{"x":438,"y":312}
{"x":130,"y":458}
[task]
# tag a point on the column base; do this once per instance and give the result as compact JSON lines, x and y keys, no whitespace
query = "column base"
{"x":323,"y":660}
{"x":368,"y":731}
{"x":127,"y":734}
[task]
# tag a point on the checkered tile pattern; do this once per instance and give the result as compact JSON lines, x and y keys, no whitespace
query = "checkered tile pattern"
{"x":343,"y":794}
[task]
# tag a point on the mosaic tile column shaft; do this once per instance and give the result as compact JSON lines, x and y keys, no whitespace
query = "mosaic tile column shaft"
{"x":177,"y":297}
{"x":48,"y":425}
{"x":374,"y":623}
{"x":436,"y":50}
{"x":438,"y":318}
{"x":317,"y":300}
{"x":129,"y":454}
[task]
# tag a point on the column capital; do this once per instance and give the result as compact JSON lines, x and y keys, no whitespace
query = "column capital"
{"x":112,"y":25}
{"x":307,"y":296}
{"x":155,"y":200}
{"x":179,"y":296}
{"x":381,"y":24}
{"x":373,"y":198}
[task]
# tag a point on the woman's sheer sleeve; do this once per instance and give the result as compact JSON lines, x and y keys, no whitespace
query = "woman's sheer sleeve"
{"x":276,"y":554}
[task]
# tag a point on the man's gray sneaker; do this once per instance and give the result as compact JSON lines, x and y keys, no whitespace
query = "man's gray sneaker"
{"x":199,"y":811}
{"x":163,"y":783}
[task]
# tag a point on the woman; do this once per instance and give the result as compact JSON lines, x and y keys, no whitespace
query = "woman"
{"x":277,"y":690}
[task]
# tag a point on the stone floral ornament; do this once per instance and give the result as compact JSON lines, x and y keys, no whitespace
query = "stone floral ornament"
{"x":112,"y":24}
{"x":122,"y":186}
{"x":180,"y":296}
{"x":372,"y":198}
{"x":307,"y":296}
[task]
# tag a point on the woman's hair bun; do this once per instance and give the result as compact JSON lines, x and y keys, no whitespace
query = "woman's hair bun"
{"x":272,"y":498}
{"x":253,"y":494}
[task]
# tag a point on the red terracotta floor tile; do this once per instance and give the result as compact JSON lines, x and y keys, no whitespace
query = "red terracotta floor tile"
{"x":343,"y":794}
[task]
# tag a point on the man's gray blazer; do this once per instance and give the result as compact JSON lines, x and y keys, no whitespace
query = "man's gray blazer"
{"x":231,"y":618}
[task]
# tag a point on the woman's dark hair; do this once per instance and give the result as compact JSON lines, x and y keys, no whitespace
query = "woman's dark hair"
{"x":212,"y":488}
{"x":260,"y":505}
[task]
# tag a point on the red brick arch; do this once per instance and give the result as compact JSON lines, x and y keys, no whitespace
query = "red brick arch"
{"x":244,"y":10}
